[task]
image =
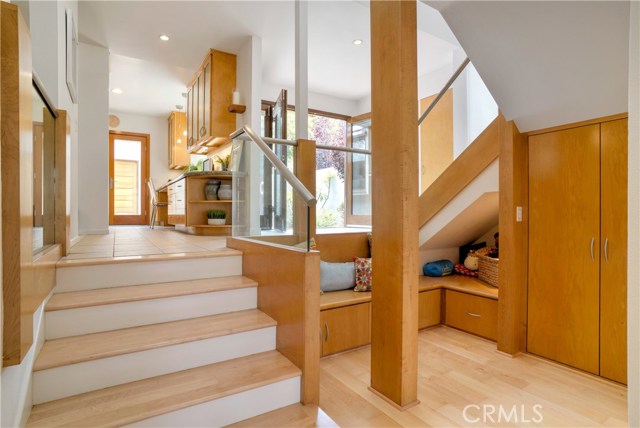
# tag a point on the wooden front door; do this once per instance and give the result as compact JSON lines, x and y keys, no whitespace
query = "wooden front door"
{"x":128,"y":178}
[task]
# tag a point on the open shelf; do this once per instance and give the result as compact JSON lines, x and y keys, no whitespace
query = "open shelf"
{"x":237,"y":108}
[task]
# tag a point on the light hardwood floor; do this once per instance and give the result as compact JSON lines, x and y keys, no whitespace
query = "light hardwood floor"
{"x":457,"y":370}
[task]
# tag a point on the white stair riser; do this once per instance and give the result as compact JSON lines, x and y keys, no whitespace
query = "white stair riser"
{"x":65,"y":381}
{"x":78,"y":278}
{"x":232,"y":408}
{"x":94,"y":319}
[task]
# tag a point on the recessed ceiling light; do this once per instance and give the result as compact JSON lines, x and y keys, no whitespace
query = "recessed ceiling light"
{"x":164,"y":38}
{"x":116,"y":91}
{"x":357,"y":42}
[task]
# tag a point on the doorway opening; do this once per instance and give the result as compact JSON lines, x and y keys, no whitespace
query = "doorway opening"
{"x":128,"y":178}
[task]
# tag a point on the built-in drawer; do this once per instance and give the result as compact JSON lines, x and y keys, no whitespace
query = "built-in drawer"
{"x":475,"y":314}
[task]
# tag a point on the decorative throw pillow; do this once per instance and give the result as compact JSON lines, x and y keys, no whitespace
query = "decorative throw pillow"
{"x":370,"y":238}
{"x":336,"y":276}
{"x":363,"y":273}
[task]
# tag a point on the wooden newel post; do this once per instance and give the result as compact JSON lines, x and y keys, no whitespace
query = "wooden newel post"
{"x":394,"y":109}
{"x":305,"y":170}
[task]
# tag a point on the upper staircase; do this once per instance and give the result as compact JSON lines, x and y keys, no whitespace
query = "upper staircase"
{"x":124,"y":346}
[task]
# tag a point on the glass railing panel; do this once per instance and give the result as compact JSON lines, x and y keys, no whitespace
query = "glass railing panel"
{"x":265,"y":205}
{"x":461,"y":115}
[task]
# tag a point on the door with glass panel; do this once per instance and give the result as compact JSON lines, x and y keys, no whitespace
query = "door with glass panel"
{"x":359,"y":173}
{"x":128,"y":177}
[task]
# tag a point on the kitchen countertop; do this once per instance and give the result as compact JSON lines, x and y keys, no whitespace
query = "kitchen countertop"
{"x":194,"y":174}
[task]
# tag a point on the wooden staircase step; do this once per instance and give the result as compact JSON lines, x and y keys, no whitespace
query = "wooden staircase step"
{"x":136,"y":401}
{"x":108,"y":296}
{"x":76,"y":349}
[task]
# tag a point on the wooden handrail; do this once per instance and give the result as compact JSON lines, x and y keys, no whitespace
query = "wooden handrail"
{"x":475,"y":159}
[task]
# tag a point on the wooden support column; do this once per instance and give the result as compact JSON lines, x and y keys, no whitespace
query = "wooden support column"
{"x":63,"y":181}
{"x":512,"y":305}
{"x":394,"y":102}
{"x":305,"y":170}
{"x":16,"y":171}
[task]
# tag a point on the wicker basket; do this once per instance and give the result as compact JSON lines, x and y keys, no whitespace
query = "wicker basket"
{"x":487,"y":267}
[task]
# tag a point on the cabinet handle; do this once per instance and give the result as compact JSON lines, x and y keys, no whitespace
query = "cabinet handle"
{"x":203,"y":131}
{"x":471,"y":314}
{"x":593,"y":240}
{"x":606,"y":249}
{"x":326,"y":332}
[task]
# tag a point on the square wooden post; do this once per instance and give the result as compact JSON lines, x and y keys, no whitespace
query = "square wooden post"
{"x":305,"y":170}
{"x":394,"y":102}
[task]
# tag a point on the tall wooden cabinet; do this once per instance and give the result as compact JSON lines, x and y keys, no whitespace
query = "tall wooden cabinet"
{"x":209,"y":95}
{"x":577,"y":247}
{"x":179,"y":158}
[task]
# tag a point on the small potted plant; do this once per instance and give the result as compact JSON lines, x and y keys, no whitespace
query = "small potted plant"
{"x":224,"y":162}
{"x":216,"y":217}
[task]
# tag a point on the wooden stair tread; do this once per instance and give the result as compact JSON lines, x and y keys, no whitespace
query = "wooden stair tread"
{"x":222,"y":252}
{"x":128,"y":403}
{"x":107,"y":296}
{"x":76,"y":349}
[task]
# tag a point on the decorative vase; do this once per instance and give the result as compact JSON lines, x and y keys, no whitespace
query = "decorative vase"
{"x":224,"y":192}
{"x":211,"y":190}
{"x":216,"y":221}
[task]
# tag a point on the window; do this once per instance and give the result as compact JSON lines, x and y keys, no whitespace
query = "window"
{"x":343,"y":180}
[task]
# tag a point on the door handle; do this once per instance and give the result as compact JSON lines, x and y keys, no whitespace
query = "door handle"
{"x":593,"y":240}
{"x":110,"y":182}
{"x":606,"y":249}
{"x":203,"y":131}
{"x":326,"y":332}
{"x":471,"y":314}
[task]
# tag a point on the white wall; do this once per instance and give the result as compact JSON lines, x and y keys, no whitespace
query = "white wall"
{"x":633,"y":279}
{"x":158,"y":129}
{"x":93,"y":153}
{"x":316,"y":101}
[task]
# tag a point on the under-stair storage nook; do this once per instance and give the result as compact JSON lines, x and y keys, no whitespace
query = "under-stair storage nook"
{"x":578,"y":247}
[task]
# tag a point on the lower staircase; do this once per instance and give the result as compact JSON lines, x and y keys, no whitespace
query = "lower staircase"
{"x":124,"y":347}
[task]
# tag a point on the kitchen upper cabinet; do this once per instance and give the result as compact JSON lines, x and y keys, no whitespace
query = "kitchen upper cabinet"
{"x":178,"y":155}
{"x":209,"y":96}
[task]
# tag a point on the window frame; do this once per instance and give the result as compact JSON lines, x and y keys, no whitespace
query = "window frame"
{"x":350,"y":218}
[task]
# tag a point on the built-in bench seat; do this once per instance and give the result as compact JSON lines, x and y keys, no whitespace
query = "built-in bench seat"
{"x":458,"y":301}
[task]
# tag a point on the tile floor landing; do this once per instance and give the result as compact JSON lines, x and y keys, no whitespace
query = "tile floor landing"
{"x":126,"y":241}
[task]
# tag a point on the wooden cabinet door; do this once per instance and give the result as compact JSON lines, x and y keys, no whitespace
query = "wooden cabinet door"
{"x":190,"y":140}
{"x":171,"y":140}
{"x":613,"y":260}
{"x":564,"y":247}
{"x":345,"y":328}
{"x":200,"y":106}
{"x":429,"y":308}
{"x":206,"y":100}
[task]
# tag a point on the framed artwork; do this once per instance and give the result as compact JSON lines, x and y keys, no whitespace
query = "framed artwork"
{"x":72,"y":55}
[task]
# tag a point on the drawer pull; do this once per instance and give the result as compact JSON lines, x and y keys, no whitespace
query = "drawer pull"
{"x":326,"y":331}
{"x":471,"y":314}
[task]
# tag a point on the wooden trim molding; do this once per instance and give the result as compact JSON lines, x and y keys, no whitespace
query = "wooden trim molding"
{"x":289,"y":292}
{"x":512,"y":305}
{"x":466,"y":167}
{"x":602,"y":119}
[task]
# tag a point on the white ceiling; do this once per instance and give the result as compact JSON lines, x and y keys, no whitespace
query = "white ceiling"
{"x":152,"y":73}
{"x":547,"y":63}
